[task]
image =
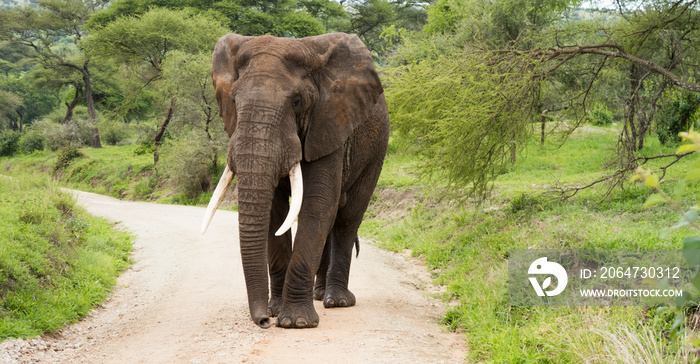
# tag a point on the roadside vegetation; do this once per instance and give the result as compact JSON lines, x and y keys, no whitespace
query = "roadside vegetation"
{"x":465,"y":244}
{"x":56,"y":261}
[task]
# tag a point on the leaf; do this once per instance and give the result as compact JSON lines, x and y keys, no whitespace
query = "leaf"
{"x":690,"y":216}
{"x":685,"y":148}
{"x":680,"y":189}
{"x":652,"y":180}
{"x":693,"y":172}
{"x":677,"y":322}
{"x":653,"y":200}
{"x":546,"y":282}
{"x":665,"y":232}
{"x":691,"y":250}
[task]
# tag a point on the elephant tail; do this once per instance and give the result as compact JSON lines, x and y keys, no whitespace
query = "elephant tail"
{"x":357,"y":247}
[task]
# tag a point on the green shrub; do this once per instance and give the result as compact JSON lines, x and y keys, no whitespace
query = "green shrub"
{"x":66,"y":156}
{"x":9,"y":143}
{"x":75,"y":133}
{"x":185,"y":164}
{"x":144,"y":187}
{"x":678,"y":113}
{"x":600,"y":116}
{"x":31,"y":140}
{"x":146,"y":146}
{"x":113,"y":132}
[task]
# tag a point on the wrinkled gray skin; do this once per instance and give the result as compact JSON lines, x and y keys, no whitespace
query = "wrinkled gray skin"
{"x":318,"y":101}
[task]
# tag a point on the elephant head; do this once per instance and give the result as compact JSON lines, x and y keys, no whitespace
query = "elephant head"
{"x":284,"y":102}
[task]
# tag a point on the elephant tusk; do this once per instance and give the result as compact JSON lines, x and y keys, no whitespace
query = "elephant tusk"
{"x":216,"y":198}
{"x":297,"y":193}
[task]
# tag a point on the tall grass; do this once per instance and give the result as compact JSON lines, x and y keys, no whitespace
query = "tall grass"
{"x":56,"y":261}
{"x":465,"y":244}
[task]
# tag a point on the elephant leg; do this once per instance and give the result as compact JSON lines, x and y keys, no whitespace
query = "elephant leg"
{"x":345,"y":228}
{"x":322,"y":182}
{"x":279,"y":248}
{"x":320,"y":285}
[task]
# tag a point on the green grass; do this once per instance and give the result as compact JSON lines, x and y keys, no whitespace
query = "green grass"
{"x":115,"y":171}
{"x":56,"y":261}
{"x":466,"y":246}
{"x":111,"y":170}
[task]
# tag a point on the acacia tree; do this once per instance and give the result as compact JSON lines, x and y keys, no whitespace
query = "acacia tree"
{"x":640,"y":51}
{"x":140,"y":45}
{"x":40,"y":28}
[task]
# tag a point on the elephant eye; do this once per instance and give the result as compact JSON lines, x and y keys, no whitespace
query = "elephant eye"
{"x":297,"y":101}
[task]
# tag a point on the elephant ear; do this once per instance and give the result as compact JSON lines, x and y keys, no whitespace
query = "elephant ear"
{"x":348,"y":90}
{"x":224,"y":74}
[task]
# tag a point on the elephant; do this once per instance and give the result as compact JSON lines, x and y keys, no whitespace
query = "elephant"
{"x":307,"y":121}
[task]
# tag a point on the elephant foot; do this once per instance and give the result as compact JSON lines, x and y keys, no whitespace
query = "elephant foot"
{"x":338,"y":297}
{"x":274,"y":306}
{"x":298,"y":316}
{"x":319,"y":291}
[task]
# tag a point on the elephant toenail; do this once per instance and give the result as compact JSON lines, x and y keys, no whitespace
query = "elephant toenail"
{"x":343,"y":302}
{"x":286,"y":322}
{"x":330,"y":302}
{"x":301,"y":322}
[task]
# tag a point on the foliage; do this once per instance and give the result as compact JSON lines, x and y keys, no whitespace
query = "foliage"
{"x":145,"y":147}
{"x":465,"y":247}
{"x":76,"y":133}
{"x":57,"y":261}
{"x":41,"y":29}
{"x":689,"y":218}
{"x":9,"y":143}
{"x":468,"y":113}
{"x":678,"y":112}
{"x":65,"y":156}
{"x":31,"y":141}
{"x":22,"y":102}
{"x":113,"y":132}
{"x":499,"y":21}
{"x":132,"y":40}
{"x":600,"y":116}
{"x":185,"y":165}
{"x":248,"y":17}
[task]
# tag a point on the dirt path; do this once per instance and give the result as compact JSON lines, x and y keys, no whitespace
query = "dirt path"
{"x":184,"y":301}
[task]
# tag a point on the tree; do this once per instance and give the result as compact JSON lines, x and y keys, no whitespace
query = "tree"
{"x":40,"y":28}
{"x":27,"y":103}
{"x":370,"y":18}
{"x":628,"y":60}
{"x":296,"y":18}
{"x":9,"y":104}
{"x":140,"y":44}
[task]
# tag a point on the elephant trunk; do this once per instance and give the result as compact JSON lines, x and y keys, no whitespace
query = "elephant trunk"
{"x":254,"y":204}
{"x":260,"y":161}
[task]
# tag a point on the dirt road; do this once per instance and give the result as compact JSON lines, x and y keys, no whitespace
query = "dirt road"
{"x":184,"y":301}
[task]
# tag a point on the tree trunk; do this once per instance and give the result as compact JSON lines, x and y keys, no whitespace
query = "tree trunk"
{"x":92,"y":113}
{"x":630,"y":139}
{"x":161,"y":132}
{"x":73,"y":104}
{"x":544,"y":120}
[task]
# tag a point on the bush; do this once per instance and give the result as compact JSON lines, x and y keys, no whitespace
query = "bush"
{"x":113,"y":132}
{"x":185,"y":164}
{"x":66,"y":156}
{"x":600,"y":116}
{"x":146,"y":146}
{"x":76,"y":133}
{"x":677,"y":114}
{"x":9,"y":143}
{"x":31,"y":140}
